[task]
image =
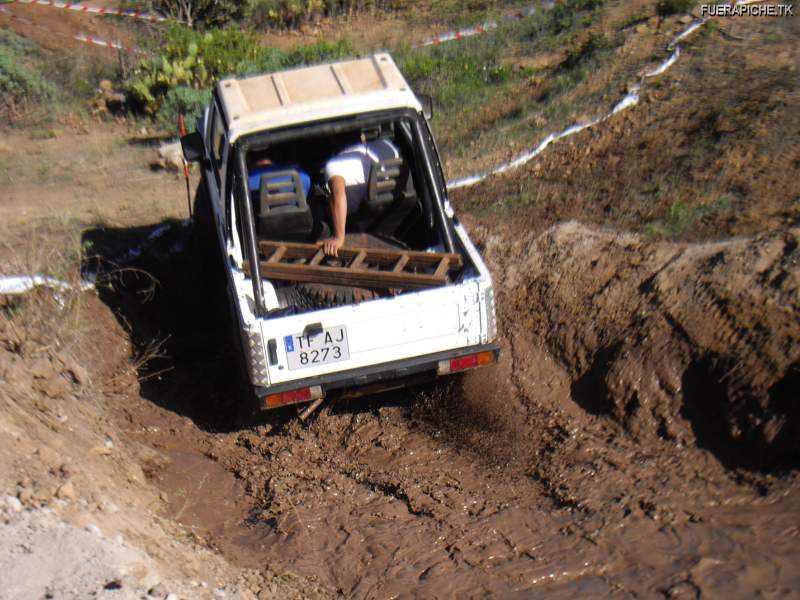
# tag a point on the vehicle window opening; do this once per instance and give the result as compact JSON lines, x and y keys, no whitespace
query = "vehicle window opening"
{"x":290,"y":199}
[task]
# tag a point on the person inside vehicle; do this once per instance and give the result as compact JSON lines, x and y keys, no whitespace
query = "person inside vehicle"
{"x":263,"y":165}
{"x":347,"y":175}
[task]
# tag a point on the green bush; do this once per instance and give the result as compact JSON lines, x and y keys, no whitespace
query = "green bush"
{"x":189,"y":64}
{"x":282,"y":13}
{"x":565,"y":17}
{"x":185,"y":101}
{"x":22,"y":87}
{"x":670,"y":7}
{"x":191,"y":60}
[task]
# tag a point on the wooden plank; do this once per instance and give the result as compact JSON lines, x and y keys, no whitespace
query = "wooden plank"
{"x":317,"y":258}
{"x":277,"y":255}
{"x":400,"y":264}
{"x":345,"y":276}
{"x":358,"y":260}
{"x":443,"y":267}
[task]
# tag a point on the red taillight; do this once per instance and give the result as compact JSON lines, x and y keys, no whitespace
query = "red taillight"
{"x":293,"y":396}
{"x":462,"y":363}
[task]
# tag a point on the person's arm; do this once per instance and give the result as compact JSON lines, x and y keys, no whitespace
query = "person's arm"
{"x":338,"y":216}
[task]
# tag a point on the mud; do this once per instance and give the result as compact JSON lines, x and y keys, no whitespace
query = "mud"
{"x":638,"y":438}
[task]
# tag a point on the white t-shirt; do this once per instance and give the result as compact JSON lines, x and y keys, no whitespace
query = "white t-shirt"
{"x":353,"y":165}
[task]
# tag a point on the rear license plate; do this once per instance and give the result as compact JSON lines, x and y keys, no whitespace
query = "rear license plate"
{"x":329,"y":346}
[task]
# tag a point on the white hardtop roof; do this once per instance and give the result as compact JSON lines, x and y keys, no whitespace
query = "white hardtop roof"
{"x":338,"y":89}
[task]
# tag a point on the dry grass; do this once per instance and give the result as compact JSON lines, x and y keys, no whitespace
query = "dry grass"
{"x":46,"y":319}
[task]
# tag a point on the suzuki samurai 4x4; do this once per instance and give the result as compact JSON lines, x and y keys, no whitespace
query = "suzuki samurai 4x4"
{"x":406,"y":297}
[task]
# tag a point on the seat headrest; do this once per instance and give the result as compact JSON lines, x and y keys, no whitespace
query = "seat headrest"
{"x":281,"y":188}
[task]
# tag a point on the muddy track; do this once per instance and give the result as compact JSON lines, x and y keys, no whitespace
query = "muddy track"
{"x":638,"y":438}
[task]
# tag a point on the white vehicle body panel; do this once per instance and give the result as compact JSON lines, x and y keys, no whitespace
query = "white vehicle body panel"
{"x":315,"y":93}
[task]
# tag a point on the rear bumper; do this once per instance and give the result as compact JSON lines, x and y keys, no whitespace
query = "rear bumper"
{"x":378,"y":374}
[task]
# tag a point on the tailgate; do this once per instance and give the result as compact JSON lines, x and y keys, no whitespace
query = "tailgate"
{"x":372,"y":333}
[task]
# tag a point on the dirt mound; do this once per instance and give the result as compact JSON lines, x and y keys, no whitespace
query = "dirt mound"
{"x":685,"y":343}
{"x":75,"y":475}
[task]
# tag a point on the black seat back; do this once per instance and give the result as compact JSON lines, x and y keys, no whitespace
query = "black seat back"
{"x":384,"y":184}
{"x":391,"y":197}
{"x":283,"y":211}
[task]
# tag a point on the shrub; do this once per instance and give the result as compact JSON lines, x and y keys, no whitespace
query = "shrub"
{"x":190,"y":63}
{"x":185,"y":101}
{"x":200,"y":13}
{"x":191,"y":60}
{"x":564,"y":15}
{"x":21,"y":85}
{"x":283,"y":13}
{"x":670,"y":7}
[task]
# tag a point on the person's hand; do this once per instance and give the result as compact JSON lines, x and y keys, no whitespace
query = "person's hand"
{"x":331,"y":246}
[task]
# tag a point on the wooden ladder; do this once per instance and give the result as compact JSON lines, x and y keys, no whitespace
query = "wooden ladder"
{"x":358,"y":267}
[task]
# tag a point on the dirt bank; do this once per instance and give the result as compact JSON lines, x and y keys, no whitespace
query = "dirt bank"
{"x":78,"y":515}
{"x":709,"y":152}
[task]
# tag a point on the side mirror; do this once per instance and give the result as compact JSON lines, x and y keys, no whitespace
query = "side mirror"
{"x":427,"y":106}
{"x":192,"y":146}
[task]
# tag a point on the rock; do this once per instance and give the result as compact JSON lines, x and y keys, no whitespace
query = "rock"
{"x":157,"y":591}
{"x":49,"y":457}
{"x":106,"y":86}
{"x":101,"y":450}
{"x":54,"y":387}
{"x":25,"y":496}
{"x":107,"y":506}
{"x":13,"y":503}
{"x":43,"y":493}
{"x":641,"y":28}
{"x":170,"y":156}
{"x":40,"y":368}
{"x":67,"y":491}
{"x":78,"y":373}
{"x":171,"y":597}
{"x":686,"y":19}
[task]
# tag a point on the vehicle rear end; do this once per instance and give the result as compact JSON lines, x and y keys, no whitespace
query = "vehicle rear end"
{"x":381,"y":343}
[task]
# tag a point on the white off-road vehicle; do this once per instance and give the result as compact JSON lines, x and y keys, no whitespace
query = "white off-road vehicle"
{"x":408,"y":295}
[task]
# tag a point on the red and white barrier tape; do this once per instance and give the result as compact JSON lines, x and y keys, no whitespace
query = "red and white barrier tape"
{"x":630,"y":99}
{"x":91,"y":39}
{"x":22,"y":284}
{"x":460,"y":34}
{"x":81,"y":37}
{"x":97,"y":10}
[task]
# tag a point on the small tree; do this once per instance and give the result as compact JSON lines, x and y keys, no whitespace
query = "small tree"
{"x":199,"y":14}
